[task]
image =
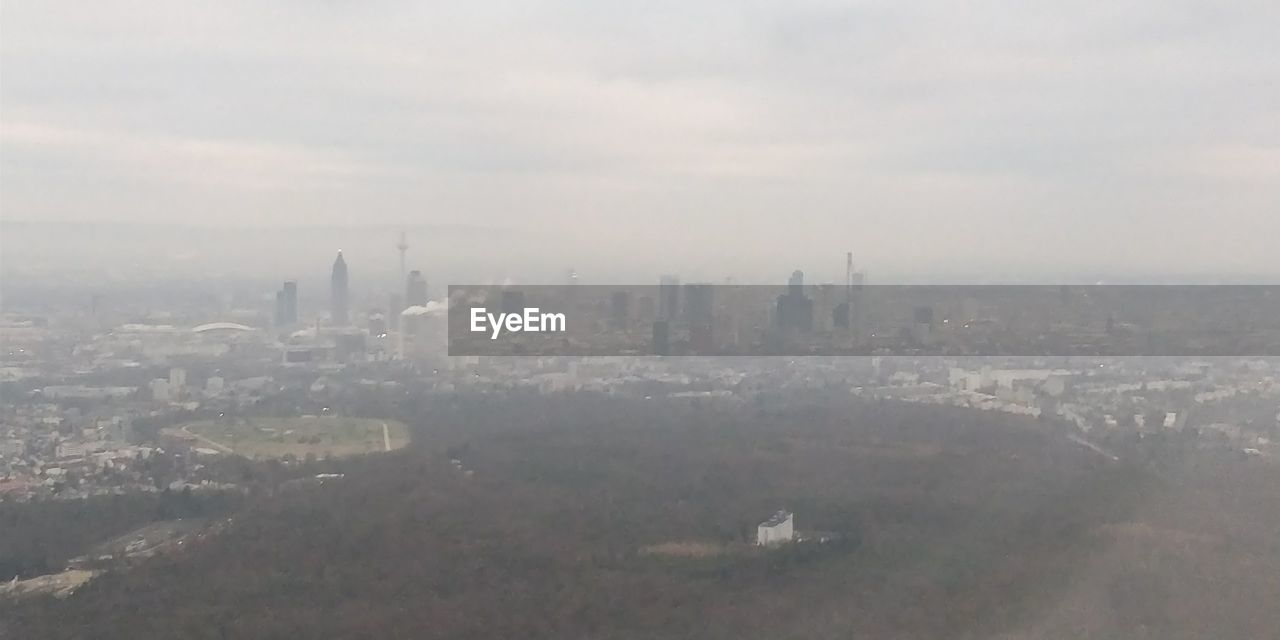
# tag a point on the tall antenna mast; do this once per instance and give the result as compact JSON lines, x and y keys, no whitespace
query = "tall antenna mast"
{"x":403,"y":246}
{"x":848,"y":276}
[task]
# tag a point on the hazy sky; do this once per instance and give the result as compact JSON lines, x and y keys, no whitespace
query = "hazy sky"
{"x":1125,"y":135}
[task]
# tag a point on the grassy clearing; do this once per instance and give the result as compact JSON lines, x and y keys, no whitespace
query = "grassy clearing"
{"x":319,"y":436}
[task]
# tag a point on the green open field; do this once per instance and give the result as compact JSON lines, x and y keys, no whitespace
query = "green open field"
{"x":321,"y":436}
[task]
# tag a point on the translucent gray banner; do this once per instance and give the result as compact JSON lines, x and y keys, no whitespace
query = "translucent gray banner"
{"x":805,"y":320}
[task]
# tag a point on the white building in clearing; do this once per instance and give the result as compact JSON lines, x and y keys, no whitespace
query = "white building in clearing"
{"x":778,"y":529}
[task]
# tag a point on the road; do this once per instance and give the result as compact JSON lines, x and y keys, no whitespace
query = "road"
{"x":1093,"y":447}
{"x":218,"y":445}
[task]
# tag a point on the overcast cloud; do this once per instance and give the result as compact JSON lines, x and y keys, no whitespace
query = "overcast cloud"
{"x":1115,"y":135}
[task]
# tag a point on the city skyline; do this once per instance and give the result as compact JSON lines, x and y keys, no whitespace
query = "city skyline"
{"x":726,"y":320}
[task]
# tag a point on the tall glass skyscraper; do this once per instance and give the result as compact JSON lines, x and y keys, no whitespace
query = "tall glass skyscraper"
{"x":340,"y":301}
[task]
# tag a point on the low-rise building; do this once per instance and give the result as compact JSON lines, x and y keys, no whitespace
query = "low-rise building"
{"x":778,"y":529}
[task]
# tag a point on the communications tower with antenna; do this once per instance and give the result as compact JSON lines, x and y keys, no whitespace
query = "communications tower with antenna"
{"x":402,"y":247}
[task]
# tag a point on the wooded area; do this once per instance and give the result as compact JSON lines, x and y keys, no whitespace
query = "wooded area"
{"x":952,"y":524}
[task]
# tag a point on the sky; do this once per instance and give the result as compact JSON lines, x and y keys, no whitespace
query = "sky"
{"x":711,"y":138}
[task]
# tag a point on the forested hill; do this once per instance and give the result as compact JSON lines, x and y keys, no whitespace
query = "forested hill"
{"x":593,"y":517}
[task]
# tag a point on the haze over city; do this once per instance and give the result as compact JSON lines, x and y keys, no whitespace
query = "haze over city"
{"x":724,"y":139}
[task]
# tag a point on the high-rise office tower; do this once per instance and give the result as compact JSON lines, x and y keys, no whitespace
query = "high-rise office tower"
{"x":796,"y":281}
{"x":795,"y":310}
{"x":415,"y":289}
{"x":291,"y":300}
{"x":340,"y":295}
{"x":843,"y":315}
{"x":287,"y":304}
{"x":858,"y":312}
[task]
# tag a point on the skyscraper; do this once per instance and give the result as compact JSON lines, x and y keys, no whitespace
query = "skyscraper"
{"x":415,"y":289}
{"x":795,"y":310}
{"x":287,"y":304}
{"x":796,"y":281}
{"x":340,"y":301}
